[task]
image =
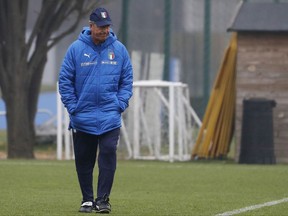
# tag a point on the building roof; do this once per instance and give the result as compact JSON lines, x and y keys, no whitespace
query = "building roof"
{"x":264,"y":17}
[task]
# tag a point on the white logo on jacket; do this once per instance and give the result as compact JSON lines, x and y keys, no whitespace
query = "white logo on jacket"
{"x":87,"y":55}
{"x":109,"y":62}
{"x":88,"y":63}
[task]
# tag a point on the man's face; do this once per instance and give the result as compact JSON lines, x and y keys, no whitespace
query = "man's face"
{"x":99,"y":34}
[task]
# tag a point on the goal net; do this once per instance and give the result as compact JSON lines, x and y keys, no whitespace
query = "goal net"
{"x":159,"y":124}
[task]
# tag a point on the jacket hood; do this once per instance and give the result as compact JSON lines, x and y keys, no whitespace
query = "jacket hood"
{"x":85,"y":36}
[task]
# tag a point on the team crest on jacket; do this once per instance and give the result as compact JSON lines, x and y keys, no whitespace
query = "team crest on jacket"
{"x":111,"y":55}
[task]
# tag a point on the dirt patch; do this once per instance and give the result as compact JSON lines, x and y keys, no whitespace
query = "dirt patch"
{"x":3,"y":155}
{"x":45,"y":155}
{"x":38,"y":155}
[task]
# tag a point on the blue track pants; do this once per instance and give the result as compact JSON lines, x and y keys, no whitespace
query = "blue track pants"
{"x":85,"y":150}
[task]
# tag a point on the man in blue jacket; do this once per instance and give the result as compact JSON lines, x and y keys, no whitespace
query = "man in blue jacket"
{"x":95,"y":83}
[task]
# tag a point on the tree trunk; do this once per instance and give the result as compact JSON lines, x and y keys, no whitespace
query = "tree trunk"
{"x":21,"y":106}
{"x":21,"y":135}
{"x":20,"y":94}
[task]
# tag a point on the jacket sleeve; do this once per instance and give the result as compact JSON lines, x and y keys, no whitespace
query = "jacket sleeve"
{"x":125,"y":82}
{"x":67,"y":80}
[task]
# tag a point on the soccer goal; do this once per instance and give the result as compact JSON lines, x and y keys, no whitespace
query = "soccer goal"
{"x":159,"y":124}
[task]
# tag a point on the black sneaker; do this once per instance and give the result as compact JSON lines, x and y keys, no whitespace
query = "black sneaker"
{"x":86,"y":207}
{"x":102,"y":205}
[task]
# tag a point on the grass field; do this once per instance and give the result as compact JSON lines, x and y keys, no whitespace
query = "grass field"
{"x":38,"y":187}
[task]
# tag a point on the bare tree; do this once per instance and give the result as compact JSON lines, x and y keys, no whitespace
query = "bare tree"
{"x":22,"y":61}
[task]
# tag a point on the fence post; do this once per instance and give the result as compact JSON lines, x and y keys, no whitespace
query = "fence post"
{"x":207,"y":45}
{"x":167,"y":39}
{"x":124,"y":24}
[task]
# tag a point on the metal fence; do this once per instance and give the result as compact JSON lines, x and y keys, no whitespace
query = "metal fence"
{"x":178,"y":40}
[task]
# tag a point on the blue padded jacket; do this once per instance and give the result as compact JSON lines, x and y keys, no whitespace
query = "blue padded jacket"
{"x":95,"y":83}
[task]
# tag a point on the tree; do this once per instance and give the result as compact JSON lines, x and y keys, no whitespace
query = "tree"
{"x":22,"y":61}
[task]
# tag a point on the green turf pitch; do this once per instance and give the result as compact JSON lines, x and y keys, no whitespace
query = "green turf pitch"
{"x":145,"y":188}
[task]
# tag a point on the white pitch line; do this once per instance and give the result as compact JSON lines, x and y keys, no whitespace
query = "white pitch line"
{"x":250,"y":208}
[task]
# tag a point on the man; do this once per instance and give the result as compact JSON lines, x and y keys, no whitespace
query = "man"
{"x":95,"y":84}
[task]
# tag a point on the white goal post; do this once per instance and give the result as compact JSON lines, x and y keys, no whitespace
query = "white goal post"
{"x":159,"y":124}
